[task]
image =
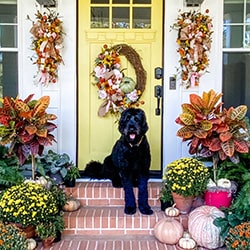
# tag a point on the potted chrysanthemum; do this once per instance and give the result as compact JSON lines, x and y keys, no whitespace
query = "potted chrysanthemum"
{"x":187,"y":178}
{"x":27,"y":204}
{"x":238,"y":237}
{"x":11,"y":237}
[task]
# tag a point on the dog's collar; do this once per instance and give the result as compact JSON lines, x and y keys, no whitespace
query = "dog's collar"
{"x":137,"y":144}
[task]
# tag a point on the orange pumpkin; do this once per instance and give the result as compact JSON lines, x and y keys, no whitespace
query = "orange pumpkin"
{"x":168,"y":230}
{"x":72,"y":204}
{"x":202,"y":229}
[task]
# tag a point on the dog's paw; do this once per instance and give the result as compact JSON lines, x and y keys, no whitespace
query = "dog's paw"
{"x":130,"y":210}
{"x":146,"y":210}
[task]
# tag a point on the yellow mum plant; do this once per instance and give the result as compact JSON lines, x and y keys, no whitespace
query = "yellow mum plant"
{"x":27,"y":204}
{"x":186,"y":176}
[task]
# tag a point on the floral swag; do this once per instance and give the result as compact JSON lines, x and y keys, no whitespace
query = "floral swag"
{"x":194,"y":40}
{"x":47,"y":43}
{"x":117,"y":90}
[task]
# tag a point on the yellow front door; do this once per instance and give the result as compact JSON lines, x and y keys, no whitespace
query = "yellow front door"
{"x":137,"y":23}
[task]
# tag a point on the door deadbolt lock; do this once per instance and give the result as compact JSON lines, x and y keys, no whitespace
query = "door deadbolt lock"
{"x":158,"y":73}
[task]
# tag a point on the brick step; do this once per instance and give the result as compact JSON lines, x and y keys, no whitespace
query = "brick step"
{"x":142,"y":242}
{"x":112,"y":221}
{"x":99,"y":193}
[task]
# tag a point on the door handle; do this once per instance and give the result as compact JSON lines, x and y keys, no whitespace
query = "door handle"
{"x":158,"y":95}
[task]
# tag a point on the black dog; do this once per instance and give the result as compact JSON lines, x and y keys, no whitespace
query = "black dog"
{"x":128,"y":165}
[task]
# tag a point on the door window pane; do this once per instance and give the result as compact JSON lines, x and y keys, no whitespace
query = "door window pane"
{"x":236,"y":79}
{"x":8,"y":39}
{"x":232,"y":36}
{"x":8,"y":74}
{"x":121,"y":1}
{"x":142,"y":1}
{"x":8,"y":25}
{"x":235,"y":9}
{"x":99,"y":1}
{"x":142,"y":18}
{"x":120,"y":18}
{"x":99,"y":17}
{"x":236,"y":64}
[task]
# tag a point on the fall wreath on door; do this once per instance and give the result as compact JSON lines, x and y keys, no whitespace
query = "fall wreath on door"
{"x":118,"y":91}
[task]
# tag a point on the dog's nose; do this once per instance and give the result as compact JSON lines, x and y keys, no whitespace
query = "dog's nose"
{"x":131,"y":128}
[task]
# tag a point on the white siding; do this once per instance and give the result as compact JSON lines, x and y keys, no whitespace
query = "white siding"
{"x":63,"y":93}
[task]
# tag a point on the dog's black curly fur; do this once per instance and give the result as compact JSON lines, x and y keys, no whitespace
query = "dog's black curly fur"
{"x":129,"y":163}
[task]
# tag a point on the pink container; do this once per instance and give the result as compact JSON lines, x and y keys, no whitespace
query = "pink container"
{"x":218,"y":198}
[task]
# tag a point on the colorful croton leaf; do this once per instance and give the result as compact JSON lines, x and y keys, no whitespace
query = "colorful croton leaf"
{"x":26,"y":126}
{"x":212,"y":130}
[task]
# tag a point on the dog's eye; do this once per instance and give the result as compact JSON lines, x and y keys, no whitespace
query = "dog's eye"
{"x":128,"y":118}
{"x":136,"y":119}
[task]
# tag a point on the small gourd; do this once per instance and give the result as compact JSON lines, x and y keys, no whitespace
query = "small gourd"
{"x":225,"y":183}
{"x":172,"y":211}
{"x":168,"y":230}
{"x":72,"y":204}
{"x":186,"y":242}
{"x":127,"y":85}
{"x":44,"y":182}
{"x":31,"y":244}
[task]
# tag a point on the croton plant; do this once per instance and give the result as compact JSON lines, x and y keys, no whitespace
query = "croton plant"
{"x":25,"y":126}
{"x":213,"y":131}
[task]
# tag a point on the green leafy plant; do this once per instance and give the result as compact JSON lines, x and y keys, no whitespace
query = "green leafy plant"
{"x":59,"y":195}
{"x":239,"y":211}
{"x":12,"y":238}
{"x":165,"y":193}
{"x":235,"y":171}
{"x":72,"y":173}
{"x":186,"y":176}
{"x":26,"y":126}
{"x":238,"y":237}
{"x":46,"y":230}
{"x":58,"y":222}
{"x":9,"y":169}
{"x":55,"y":164}
{"x":213,"y":131}
{"x":51,"y":226}
{"x":28,"y":203}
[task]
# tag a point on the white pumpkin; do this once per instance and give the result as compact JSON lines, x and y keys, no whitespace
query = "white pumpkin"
{"x":168,"y":230}
{"x":225,"y":183}
{"x":172,"y":211}
{"x":186,"y":242}
{"x":202,"y":229}
{"x":31,"y":244}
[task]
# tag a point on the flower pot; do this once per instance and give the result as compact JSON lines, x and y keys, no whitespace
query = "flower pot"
{"x":29,"y":231}
{"x":47,"y":242}
{"x":184,"y":204}
{"x":70,"y":183}
{"x":58,"y":236}
{"x":218,"y":198}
